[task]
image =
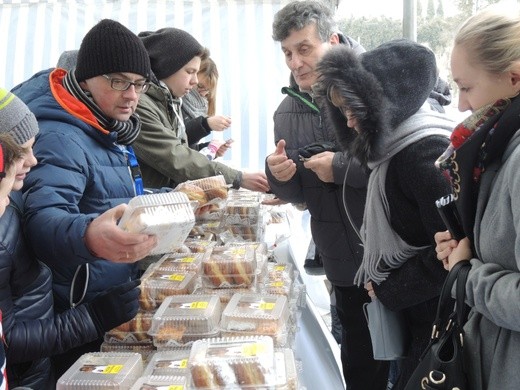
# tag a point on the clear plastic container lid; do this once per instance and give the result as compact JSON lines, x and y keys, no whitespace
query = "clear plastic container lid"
{"x":169,"y":216}
{"x":177,"y":382}
{"x":286,"y":371}
{"x":225,"y":294}
{"x":185,"y":317}
{"x":183,"y":262}
{"x":241,"y":212}
{"x":99,"y":370}
{"x":244,"y":362}
{"x":156,"y":285}
{"x":229,"y":267}
{"x":259,"y":314}
{"x":133,"y":331}
{"x":144,"y":349}
{"x":172,"y":362}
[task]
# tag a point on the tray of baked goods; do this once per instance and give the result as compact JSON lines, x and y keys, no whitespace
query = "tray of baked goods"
{"x":185,"y":318}
{"x":256,"y":314}
{"x":160,"y":383}
{"x":169,"y":216}
{"x":158,"y":284}
{"x":241,"y":363}
{"x":229,"y":266}
{"x":171,"y":362}
{"x":181,"y":262}
{"x":102,"y":370}
{"x":133,"y":331}
{"x":210,"y":193}
{"x":146,"y":350}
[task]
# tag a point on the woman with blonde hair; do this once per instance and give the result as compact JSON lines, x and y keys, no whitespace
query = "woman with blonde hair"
{"x":483,"y":162}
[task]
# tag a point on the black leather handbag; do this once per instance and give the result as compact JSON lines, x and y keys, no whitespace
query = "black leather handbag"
{"x":442,"y":363}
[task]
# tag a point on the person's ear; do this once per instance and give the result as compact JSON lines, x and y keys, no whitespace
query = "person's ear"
{"x":514,"y":75}
{"x":334,"y":39}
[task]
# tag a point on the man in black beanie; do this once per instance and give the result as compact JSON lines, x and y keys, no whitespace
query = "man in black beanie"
{"x":162,"y":146}
{"x":87,"y":171}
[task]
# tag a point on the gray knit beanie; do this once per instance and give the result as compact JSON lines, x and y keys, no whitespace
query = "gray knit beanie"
{"x":110,"y":47}
{"x":169,"y":49}
{"x":16,"y":119}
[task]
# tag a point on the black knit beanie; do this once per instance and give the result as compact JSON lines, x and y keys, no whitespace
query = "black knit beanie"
{"x":169,"y":49}
{"x":110,"y":47}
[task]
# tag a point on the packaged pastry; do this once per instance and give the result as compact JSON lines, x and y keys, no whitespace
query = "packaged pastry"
{"x":286,"y":370}
{"x":244,"y":362}
{"x":168,"y":363}
{"x":144,"y":349}
{"x":181,"y":262}
{"x":100,"y":370}
{"x":169,"y":216}
{"x":240,"y":212}
{"x":133,"y":331}
{"x":210,"y":194}
{"x":229,"y":267}
{"x":184,"y":318}
{"x":177,"y":382}
{"x":225,"y":294}
{"x":254,"y":314}
{"x":158,"y":284}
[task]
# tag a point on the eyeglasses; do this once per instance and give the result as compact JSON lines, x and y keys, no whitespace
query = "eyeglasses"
{"x":123,"y":85}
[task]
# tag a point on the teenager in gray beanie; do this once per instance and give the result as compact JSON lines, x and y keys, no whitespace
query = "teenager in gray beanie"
{"x":16,"y":119}
{"x":162,"y":147}
{"x":377,"y":104}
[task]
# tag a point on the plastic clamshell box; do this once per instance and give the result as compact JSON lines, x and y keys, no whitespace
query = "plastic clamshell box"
{"x":169,"y":216}
{"x":225,"y":294}
{"x":172,"y":362}
{"x":229,"y":267}
{"x":184,"y":318}
{"x":183,"y":262}
{"x":237,"y":362}
{"x":255,"y":314}
{"x":195,"y":246}
{"x":240,"y":212}
{"x":177,"y":382}
{"x":279,"y":280}
{"x":99,"y":370}
{"x":134,"y":331}
{"x":286,"y":371}
{"x":145,"y":349}
{"x":245,"y":195}
{"x":156,"y":285}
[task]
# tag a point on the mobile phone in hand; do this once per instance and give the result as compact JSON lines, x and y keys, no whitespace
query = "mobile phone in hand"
{"x":229,"y":141}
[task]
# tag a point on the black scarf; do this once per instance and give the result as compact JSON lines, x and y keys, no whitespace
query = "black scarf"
{"x":484,"y":146}
{"x":127,"y":131}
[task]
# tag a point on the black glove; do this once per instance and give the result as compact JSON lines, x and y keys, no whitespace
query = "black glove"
{"x":115,"y":306}
{"x":316,"y":147}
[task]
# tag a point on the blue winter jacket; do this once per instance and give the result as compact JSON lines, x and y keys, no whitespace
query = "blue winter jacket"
{"x":32,"y":331}
{"x":81,"y":173}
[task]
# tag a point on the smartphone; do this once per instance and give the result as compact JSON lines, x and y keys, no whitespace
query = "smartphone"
{"x":229,"y":141}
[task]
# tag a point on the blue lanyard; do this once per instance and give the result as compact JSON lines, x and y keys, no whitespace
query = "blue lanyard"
{"x":135,"y":171}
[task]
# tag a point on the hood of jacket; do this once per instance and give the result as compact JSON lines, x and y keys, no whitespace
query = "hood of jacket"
{"x":381,"y":88}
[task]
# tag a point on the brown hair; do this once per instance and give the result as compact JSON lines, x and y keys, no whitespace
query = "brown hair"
{"x":10,"y":152}
{"x":208,"y":68}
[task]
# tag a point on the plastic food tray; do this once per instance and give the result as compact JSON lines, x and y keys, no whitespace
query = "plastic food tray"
{"x":172,"y":362}
{"x":255,"y":314}
{"x":160,"y":383}
{"x":184,"y":318}
{"x":99,"y":370}
{"x":229,"y":267}
{"x":156,"y":285}
{"x":245,"y":363}
{"x":169,"y":216}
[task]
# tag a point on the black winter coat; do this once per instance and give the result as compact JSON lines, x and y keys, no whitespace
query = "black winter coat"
{"x":32,"y":331}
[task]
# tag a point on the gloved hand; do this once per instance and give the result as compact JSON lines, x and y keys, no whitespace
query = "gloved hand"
{"x":115,"y":306}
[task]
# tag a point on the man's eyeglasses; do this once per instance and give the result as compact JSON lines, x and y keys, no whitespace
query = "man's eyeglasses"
{"x":123,"y":85}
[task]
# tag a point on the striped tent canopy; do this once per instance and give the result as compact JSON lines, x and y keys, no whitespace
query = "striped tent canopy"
{"x":238,"y":33}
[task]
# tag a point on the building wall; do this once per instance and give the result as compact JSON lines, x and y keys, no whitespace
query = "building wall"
{"x":238,"y":33}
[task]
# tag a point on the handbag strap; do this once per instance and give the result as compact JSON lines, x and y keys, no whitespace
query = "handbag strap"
{"x":445,"y":297}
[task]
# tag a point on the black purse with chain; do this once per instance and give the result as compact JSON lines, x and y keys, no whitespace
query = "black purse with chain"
{"x":442,"y":363}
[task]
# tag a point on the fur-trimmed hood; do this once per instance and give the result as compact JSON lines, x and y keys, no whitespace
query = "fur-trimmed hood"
{"x":382,"y":88}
